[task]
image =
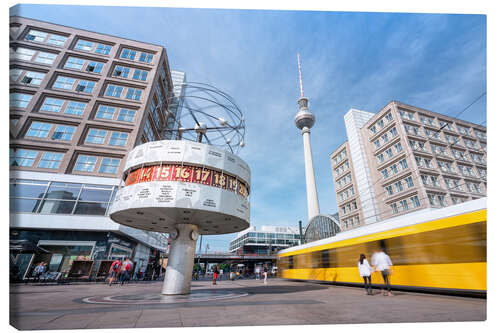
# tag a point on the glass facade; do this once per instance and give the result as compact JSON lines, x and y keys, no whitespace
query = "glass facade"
{"x":322,"y":226}
{"x":260,"y":242}
{"x":51,"y":197}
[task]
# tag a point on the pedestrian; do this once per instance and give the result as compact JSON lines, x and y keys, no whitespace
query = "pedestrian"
{"x":125,"y":271}
{"x":365,"y":271}
{"x":265,"y":274}
{"x":114,"y":270}
{"x":38,"y":271}
{"x":382,"y":263}
{"x":216,"y":272}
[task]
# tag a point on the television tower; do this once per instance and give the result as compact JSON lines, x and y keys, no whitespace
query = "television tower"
{"x":304,"y":120}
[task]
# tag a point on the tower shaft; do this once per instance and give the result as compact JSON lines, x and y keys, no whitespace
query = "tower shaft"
{"x":312,"y":194}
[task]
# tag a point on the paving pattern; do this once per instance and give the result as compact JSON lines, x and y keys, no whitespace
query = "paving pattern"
{"x":229,"y":303}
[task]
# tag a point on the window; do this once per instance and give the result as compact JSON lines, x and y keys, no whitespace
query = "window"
{"x":126,"y":115}
{"x":50,"y":160}
{"x":140,"y":75}
{"x":85,"y":86}
{"x":75,"y":108}
{"x":21,"y":53}
{"x":57,"y":40}
{"x":398,"y":186}
{"x":428,"y":163}
{"x":63,"y":82}
{"x":84,"y":45}
{"x":128,"y":54}
{"x":404,"y":204}
{"x":63,"y":133}
{"x":463,"y":130}
{"x":94,"y":67}
{"x":113,"y":91}
{"x":103,"y":49}
{"x":415,"y":202}
{"x":403,"y":164}
{"x":45,"y":58}
{"x":121,"y":71}
{"x":399,"y":147}
{"x":146,"y":57}
{"x":480,"y":134}
{"x":33,"y":78}
{"x":96,"y":136}
{"x":118,"y":139}
{"x":394,"y":132}
{"x":389,"y":153}
{"x":15,"y":73}
{"x":409,"y":182}
{"x":394,"y":207}
{"x":38,"y":130}
{"x":451,"y":139}
{"x":373,"y":129}
{"x":41,"y":37}
{"x":432,"y":199}
{"x":52,"y":104}
{"x":380,"y":123}
{"x":482,"y":173}
{"x":376,"y":143}
{"x":109,"y":165}
{"x":134,"y":94}
{"x":22,"y":157}
{"x":380,"y":158}
{"x":446,"y":125}
{"x":425,"y":179}
{"x":388,"y":117}
{"x":74,"y":63}
{"x":435,"y":181}
{"x":105,"y":112}
{"x":385,"y":137}
{"x":85,"y":163}
{"x":19,"y":100}
{"x":384,"y":173}
{"x":36,"y":36}
{"x":441,"y":200}
{"x":394,"y":169}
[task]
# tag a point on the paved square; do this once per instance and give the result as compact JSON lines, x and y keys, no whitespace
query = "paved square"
{"x":280,"y":302}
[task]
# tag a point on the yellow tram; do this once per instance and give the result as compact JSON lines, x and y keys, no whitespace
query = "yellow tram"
{"x":434,"y":250}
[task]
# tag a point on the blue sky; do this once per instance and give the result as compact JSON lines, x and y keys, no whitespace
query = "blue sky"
{"x":349,"y":60}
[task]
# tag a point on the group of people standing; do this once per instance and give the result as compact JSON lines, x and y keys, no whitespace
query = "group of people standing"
{"x":120,"y":270}
{"x":382,"y":263}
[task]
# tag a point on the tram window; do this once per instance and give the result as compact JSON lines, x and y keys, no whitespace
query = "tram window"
{"x":303,"y":260}
{"x":290,"y":262}
{"x":316,"y":259}
{"x":347,"y":256}
{"x":325,"y":259}
{"x":466,"y":243}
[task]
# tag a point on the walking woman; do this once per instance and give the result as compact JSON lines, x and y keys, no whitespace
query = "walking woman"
{"x":365,"y":271}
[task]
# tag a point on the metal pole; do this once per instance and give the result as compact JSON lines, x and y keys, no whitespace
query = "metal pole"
{"x":300,"y":233}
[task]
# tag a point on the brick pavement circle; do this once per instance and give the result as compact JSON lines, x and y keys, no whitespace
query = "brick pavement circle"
{"x":157,"y":298}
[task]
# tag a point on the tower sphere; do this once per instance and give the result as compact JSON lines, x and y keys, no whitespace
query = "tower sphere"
{"x":304,"y":117}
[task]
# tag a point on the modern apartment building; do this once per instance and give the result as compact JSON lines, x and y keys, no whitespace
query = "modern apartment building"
{"x":403,"y":159}
{"x":267,"y":240}
{"x":79,"y":101}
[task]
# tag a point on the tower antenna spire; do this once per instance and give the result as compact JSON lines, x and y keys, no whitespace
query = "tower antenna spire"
{"x":300,"y":76}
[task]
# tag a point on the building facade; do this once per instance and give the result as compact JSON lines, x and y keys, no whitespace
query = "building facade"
{"x":79,"y":101}
{"x":403,"y":159}
{"x":267,"y":240}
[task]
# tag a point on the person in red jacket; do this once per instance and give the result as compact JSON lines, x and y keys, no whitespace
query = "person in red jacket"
{"x":114,"y":269}
{"x":125,"y":270}
{"x":216,"y":272}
